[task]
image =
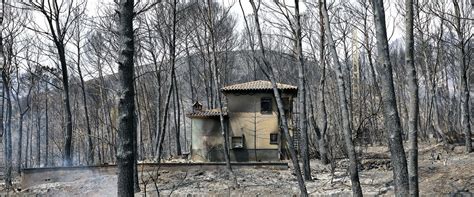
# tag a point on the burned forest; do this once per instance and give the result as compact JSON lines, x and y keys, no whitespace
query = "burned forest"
{"x":236,"y":98}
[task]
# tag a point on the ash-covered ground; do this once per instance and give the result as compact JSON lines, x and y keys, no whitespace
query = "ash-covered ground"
{"x":443,"y":171}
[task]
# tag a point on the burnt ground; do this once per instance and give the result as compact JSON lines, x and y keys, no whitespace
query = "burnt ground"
{"x":443,"y":171}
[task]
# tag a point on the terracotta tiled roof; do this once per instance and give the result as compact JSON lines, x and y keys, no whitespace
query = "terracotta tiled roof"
{"x":207,"y":113}
{"x":257,"y":85}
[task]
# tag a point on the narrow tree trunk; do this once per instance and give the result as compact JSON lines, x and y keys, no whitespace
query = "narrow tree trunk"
{"x":356,"y":189}
{"x":190,"y":70}
{"x":302,"y":97}
{"x":392,"y":120}
{"x":67,"y":157}
{"x":8,"y":139}
{"x":30,"y":137}
{"x":4,"y":128}
{"x":172,"y":56}
{"x":28,"y":129}
{"x":8,"y":135}
{"x":46,"y":126}
{"x":22,"y":113}
{"x":413,"y":105}
{"x":322,"y":117}
{"x":104,"y":113}
{"x":157,"y":107}
{"x":161,"y":135}
{"x":38,"y":133}
{"x":20,"y":143}
{"x":463,"y":67}
{"x":90,"y":150}
{"x":177,"y":115}
{"x":126,"y":105}
{"x":136,"y":186}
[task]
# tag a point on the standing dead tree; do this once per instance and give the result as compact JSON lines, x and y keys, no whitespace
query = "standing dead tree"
{"x":302,"y":94}
{"x":78,"y":37}
{"x":413,"y":109}
{"x":315,"y":36}
{"x":392,"y":119}
{"x":126,"y":105}
{"x":463,"y":66}
{"x":322,"y":117}
{"x":4,"y":133}
{"x":167,"y":34}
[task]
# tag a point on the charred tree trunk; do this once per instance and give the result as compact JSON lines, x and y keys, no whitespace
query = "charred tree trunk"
{"x":5,"y":131}
{"x":46,"y":127}
{"x":67,"y":158}
{"x":160,"y":137}
{"x":177,"y":118}
{"x":356,"y":189}
{"x":172,"y":56}
{"x":136,"y":186}
{"x":323,"y":122}
{"x":126,"y":106}
{"x":413,"y":108}
{"x":90,"y":148}
{"x":392,"y":120}
{"x":302,"y":97}
{"x":20,"y":142}
{"x":465,"y":113}
{"x":38,"y":131}
{"x":28,"y":128}
{"x":22,"y":113}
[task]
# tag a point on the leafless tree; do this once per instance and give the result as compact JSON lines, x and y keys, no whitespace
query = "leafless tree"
{"x":413,"y":108}
{"x":463,"y":40}
{"x":78,"y":43}
{"x":126,"y":106}
{"x":392,"y":120}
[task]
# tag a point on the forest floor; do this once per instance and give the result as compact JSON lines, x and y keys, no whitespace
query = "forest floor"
{"x":443,"y":171}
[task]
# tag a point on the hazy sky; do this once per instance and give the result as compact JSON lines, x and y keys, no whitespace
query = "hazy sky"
{"x":392,"y":18}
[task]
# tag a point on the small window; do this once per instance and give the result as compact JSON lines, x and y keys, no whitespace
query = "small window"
{"x":266,"y":105}
{"x":237,"y":142}
{"x":273,"y":138}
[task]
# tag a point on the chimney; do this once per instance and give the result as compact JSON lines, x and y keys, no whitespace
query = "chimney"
{"x":197,"y":106}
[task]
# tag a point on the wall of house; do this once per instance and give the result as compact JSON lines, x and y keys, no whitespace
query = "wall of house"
{"x":206,"y":138}
{"x":246,"y":119}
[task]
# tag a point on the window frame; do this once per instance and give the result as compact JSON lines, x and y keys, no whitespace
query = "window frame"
{"x":276,"y":140}
{"x":241,"y":144}
{"x":268,"y":100}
